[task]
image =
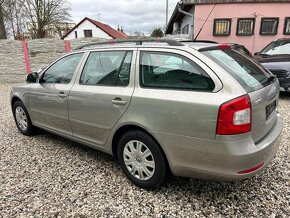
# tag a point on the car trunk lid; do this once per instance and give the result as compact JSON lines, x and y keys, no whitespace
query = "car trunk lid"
{"x":262,"y":87}
{"x":264,"y":104}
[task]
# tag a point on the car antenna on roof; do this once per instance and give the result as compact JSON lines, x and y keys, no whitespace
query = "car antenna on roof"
{"x":204,"y":22}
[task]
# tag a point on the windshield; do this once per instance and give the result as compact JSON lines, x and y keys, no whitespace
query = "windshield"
{"x":250,"y":75}
{"x":277,"y":48}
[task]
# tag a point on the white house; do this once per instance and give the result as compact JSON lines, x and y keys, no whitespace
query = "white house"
{"x":92,"y":28}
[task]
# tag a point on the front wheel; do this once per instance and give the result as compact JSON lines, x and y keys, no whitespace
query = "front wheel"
{"x":141,"y":160}
{"x":22,"y":119}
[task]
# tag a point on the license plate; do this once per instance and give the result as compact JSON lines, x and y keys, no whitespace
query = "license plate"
{"x":270,"y":108}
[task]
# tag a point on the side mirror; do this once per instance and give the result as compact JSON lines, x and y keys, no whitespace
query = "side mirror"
{"x":32,"y":77}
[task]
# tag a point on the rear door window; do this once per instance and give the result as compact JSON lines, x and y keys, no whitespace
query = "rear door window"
{"x":172,"y":71}
{"x":110,"y":68}
{"x":249,"y":74}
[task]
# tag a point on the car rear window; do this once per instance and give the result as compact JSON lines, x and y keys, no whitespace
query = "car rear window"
{"x":249,"y":74}
{"x":277,"y":48}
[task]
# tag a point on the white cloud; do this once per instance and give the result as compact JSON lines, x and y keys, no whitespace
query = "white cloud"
{"x":132,"y":15}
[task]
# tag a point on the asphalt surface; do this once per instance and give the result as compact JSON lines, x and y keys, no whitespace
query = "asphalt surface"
{"x":49,"y":176}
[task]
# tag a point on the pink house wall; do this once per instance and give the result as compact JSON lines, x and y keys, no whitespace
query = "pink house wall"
{"x":241,"y":10}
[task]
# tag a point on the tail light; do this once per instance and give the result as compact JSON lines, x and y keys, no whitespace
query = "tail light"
{"x":235,"y":116}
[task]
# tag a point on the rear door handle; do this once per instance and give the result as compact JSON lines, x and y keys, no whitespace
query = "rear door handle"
{"x":118,"y":101}
{"x":62,"y":95}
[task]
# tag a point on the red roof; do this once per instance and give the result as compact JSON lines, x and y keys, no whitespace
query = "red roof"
{"x":115,"y":34}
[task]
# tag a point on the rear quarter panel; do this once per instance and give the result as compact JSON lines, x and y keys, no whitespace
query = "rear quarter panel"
{"x":182,"y":113}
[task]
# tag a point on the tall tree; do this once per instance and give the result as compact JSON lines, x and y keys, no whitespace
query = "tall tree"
{"x":16,"y":17}
{"x":46,"y":13}
{"x":157,"y":32}
{"x":2,"y":25}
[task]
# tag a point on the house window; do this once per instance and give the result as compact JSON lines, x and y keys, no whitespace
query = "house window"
{"x":222,"y":27}
{"x":88,"y":33}
{"x":185,"y":29}
{"x":269,"y":26}
{"x":287,"y":26}
{"x":76,"y":34}
{"x":245,"y":26}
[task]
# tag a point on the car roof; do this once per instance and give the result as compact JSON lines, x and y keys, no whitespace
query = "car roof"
{"x":155,"y":42}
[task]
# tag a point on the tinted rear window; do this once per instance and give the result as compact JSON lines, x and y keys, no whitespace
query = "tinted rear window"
{"x":250,"y":75}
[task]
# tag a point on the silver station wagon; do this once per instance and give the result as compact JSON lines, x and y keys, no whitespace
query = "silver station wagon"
{"x":160,"y":107}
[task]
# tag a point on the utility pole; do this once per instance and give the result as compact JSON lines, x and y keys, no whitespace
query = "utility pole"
{"x":99,"y":16}
{"x":166,"y":13}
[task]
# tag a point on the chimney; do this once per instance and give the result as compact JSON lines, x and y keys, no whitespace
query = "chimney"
{"x":121,"y":29}
{"x":118,"y":28}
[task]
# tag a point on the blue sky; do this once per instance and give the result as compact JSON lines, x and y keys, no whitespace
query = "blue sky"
{"x":132,"y":15}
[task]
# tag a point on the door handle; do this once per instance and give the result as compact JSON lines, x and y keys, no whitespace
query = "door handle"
{"x":62,"y":95}
{"x":118,"y":101}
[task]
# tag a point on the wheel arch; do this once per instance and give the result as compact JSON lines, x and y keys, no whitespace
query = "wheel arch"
{"x":123,"y":129}
{"x":14,"y":99}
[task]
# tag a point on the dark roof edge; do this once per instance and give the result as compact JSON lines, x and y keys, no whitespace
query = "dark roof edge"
{"x":204,"y":2}
{"x":174,"y":15}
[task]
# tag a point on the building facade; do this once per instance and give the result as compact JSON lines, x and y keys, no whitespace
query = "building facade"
{"x":247,"y":22}
{"x":92,"y":28}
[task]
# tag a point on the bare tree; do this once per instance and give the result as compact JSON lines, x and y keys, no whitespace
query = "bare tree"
{"x":2,"y":25}
{"x":16,"y":17}
{"x":46,"y":13}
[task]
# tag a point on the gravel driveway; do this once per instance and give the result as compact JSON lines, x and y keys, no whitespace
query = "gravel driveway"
{"x":48,"y":176}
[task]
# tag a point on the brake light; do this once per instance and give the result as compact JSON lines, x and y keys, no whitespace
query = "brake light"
{"x":235,"y":116}
{"x":224,"y":46}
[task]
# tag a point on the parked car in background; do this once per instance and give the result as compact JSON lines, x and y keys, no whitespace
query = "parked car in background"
{"x":195,"y":110}
{"x":276,"y":58}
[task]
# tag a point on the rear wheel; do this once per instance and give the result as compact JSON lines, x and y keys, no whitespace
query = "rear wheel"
{"x":22,"y":119}
{"x":141,"y":159}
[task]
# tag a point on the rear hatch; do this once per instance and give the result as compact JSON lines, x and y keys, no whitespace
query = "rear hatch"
{"x":261,"y":86}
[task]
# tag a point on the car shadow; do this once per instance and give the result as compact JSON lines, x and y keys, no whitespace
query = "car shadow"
{"x":72,"y":145}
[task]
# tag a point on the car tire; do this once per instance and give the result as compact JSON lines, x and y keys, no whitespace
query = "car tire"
{"x":141,"y":160}
{"x":22,"y":119}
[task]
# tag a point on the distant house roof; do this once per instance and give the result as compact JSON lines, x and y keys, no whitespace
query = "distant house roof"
{"x":188,"y":4}
{"x":115,"y":34}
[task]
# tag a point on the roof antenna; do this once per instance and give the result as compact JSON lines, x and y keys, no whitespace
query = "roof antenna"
{"x":99,"y":16}
{"x":204,"y":22}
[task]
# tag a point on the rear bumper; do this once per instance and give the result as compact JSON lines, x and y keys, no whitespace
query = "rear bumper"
{"x":212,"y":159}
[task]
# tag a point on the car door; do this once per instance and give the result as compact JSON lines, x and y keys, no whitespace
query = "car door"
{"x":101,"y":94}
{"x":49,"y":97}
